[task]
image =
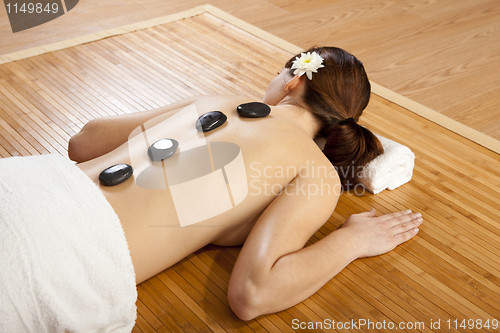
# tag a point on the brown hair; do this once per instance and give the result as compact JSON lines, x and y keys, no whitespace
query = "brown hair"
{"x":337,"y":92}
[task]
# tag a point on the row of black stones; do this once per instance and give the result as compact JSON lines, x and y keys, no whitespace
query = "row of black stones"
{"x":165,"y":148}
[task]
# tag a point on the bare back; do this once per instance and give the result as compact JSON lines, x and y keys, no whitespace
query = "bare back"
{"x":273,"y":151}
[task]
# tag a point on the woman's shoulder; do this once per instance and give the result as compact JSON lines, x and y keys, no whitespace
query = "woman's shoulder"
{"x":300,"y":153}
{"x":223,"y":98}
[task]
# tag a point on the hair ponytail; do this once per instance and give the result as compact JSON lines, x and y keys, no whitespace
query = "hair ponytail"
{"x":337,"y":96}
{"x":349,"y":148}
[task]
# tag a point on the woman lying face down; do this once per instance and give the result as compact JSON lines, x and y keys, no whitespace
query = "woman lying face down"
{"x":261,"y":182}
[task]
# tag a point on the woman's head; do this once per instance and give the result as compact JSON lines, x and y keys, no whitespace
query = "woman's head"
{"x":338,"y":91}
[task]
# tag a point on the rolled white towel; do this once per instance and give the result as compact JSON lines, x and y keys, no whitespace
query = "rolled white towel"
{"x":390,"y":170}
{"x":65,"y":263}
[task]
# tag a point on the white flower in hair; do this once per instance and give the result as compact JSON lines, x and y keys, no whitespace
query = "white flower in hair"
{"x":307,"y":63}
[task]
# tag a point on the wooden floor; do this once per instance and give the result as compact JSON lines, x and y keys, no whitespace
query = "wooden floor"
{"x":443,"y":54}
{"x":450,"y":271}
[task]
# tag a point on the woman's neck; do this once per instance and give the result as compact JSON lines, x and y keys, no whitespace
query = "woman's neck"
{"x":298,"y":115}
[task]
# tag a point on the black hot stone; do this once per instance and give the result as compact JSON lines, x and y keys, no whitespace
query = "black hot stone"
{"x":253,"y":110}
{"x":162,"y":149}
{"x":210,"y":120}
{"x":115,"y":174}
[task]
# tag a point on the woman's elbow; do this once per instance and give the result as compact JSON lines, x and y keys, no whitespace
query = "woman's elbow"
{"x":76,"y":151}
{"x":244,"y":301}
{"x":79,"y":147}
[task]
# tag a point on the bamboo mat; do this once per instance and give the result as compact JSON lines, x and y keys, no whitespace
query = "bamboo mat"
{"x":450,"y":272}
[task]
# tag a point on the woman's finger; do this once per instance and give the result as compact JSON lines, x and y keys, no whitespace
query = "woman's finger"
{"x":371,"y":213}
{"x":391,"y":216}
{"x":396,"y":221}
{"x":407,"y":226}
{"x":405,"y":236}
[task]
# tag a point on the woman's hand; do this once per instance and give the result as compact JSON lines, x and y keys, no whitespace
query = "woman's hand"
{"x":378,"y":235}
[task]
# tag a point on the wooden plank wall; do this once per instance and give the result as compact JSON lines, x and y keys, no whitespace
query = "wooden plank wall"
{"x":444,"y":54}
{"x":450,"y":271}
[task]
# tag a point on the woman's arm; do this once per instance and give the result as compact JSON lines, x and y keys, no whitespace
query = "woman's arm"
{"x":102,"y":135}
{"x":274,"y":272}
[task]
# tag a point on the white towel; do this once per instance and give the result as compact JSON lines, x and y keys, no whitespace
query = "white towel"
{"x":390,"y":170}
{"x":65,"y":263}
